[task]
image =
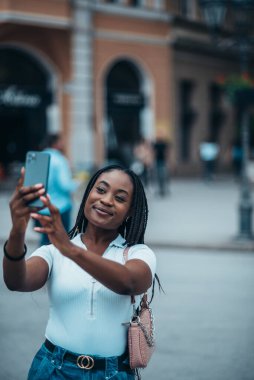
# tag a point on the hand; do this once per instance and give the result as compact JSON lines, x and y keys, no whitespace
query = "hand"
{"x":52,"y":226}
{"x":20,"y":211}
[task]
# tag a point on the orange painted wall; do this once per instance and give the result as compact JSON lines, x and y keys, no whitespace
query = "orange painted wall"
{"x":126,"y":24}
{"x":48,"y":7}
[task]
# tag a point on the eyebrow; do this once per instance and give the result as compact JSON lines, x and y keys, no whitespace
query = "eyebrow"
{"x":107,"y":185}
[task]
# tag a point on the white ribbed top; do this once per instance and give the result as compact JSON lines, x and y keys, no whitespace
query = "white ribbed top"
{"x":85,"y":316}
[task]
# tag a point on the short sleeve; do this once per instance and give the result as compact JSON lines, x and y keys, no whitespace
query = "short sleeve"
{"x":142,"y":252}
{"x":45,"y":252}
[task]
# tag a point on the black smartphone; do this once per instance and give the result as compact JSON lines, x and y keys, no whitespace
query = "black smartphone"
{"x":36,"y":171}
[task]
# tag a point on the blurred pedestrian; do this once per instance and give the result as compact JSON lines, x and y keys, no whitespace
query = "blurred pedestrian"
{"x":89,"y":282}
{"x":161,"y":149}
{"x":143,"y":161}
{"x":60,"y":182}
{"x":209,"y":151}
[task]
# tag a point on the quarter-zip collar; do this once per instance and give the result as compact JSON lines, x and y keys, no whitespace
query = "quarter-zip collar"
{"x":119,"y":242}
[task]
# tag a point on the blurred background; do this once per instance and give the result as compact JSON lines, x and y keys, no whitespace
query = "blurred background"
{"x":108,"y":74}
{"x":165,"y":87}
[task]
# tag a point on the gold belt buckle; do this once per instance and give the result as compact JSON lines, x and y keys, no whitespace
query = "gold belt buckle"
{"x":89,"y":364}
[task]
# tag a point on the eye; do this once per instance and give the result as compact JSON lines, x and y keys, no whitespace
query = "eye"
{"x":120,"y":199}
{"x":100,"y":189}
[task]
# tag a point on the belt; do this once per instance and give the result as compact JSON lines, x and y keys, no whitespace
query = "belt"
{"x":88,"y":362}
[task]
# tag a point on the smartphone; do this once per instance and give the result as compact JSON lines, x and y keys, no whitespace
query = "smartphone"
{"x":36,"y":171}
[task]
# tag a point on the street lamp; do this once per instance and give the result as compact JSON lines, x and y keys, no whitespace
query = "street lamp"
{"x":241,"y":12}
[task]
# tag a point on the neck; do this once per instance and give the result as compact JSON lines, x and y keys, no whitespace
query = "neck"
{"x":99,"y":236}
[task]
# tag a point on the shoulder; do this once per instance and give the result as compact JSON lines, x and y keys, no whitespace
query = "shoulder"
{"x":51,"y":254}
{"x":141,"y":250}
{"x":144,"y":253}
{"x":46,"y":252}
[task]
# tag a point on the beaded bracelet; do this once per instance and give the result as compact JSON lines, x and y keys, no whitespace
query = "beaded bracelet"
{"x":11,"y":258}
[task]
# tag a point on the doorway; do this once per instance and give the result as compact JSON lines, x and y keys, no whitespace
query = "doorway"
{"x":124,"y":104}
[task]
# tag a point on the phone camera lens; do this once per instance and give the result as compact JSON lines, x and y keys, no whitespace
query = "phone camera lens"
{"x":31,"y":157}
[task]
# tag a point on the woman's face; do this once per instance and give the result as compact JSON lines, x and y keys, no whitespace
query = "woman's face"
{"x":109,"y":201}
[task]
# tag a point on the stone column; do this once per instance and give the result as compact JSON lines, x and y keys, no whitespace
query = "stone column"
{"x":82,"y":134}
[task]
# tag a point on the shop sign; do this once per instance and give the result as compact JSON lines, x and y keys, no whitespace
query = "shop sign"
{"x":126,"y":99}
{"x":13,"y":96}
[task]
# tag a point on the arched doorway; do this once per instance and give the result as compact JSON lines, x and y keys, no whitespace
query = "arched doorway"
{"x":124,"y":104}
{"x":24,"y":97}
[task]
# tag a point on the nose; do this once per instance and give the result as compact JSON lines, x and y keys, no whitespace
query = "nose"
{"x":107,"y":199}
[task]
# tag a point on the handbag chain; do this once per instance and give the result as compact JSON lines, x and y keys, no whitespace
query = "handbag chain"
{"x":149,"y":338}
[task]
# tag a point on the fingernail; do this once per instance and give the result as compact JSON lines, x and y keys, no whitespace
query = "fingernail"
{"x":38,"y":185}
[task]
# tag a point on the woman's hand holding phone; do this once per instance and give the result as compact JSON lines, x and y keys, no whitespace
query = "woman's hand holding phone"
{"x":20,"y":211}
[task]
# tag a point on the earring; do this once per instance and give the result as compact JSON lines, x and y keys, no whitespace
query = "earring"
{"x":76,"y":231}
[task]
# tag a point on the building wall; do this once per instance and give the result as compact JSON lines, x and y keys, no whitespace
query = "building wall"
{"x":202,"y":71}
{"x":146,"y":35}
{"x":50,"y":8}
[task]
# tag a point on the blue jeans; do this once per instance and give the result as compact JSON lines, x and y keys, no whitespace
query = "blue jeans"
{"x":52,"y":366}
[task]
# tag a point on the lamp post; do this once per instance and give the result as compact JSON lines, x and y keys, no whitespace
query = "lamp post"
{"x":241,"y":16}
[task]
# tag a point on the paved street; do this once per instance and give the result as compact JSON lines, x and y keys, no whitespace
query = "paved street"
{"x":204,"y":322}
{"x":197,"y":214}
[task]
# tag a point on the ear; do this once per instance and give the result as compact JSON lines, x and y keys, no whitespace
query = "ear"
{"x":129,"y":215}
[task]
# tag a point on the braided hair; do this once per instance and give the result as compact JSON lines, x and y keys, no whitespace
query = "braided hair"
{"x":133,"y":228}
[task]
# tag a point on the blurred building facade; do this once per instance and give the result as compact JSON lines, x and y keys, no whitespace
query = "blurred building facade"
{"x":109,"y":73}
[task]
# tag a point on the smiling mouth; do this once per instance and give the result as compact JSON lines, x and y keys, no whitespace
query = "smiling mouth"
{"x":102,"y":211}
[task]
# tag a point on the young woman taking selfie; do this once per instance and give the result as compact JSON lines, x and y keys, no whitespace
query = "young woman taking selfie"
{"x":89,"y":283}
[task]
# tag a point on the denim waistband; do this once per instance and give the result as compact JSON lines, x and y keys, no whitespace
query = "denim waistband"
{"x":88,"y":362}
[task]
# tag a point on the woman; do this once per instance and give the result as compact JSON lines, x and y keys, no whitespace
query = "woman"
{"x":89,"y":283}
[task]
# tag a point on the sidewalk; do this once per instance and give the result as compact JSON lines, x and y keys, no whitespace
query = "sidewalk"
{"x":197,"y":215}
{"x":194,"y":215}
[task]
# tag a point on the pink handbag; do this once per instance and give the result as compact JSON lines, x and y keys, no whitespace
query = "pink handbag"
{"x":141,"y":340}
{"x":141,"y":336}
